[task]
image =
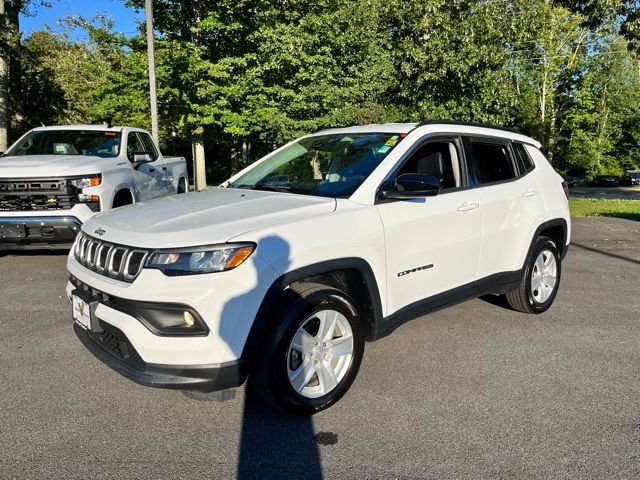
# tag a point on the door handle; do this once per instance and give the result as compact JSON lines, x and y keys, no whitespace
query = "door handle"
{"x":151,"y":170}
{"x":466,"y":207}
{"x":530,"y":193}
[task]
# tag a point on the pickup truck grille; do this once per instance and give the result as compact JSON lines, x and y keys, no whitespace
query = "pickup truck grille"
{"x":109,"y":259}
{"x":36,"y":194}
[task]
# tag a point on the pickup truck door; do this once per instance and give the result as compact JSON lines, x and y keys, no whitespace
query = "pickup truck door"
{"x":433,"y":243}
{"x":165,"y":179}
{"x":149,"y":177}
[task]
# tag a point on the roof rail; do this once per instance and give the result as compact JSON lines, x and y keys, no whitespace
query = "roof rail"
{"x":466,"y":124}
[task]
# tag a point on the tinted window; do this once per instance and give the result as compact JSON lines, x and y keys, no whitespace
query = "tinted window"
{"x":149,"y":146}
{"x":491,"y":162}
{"x":435,"y":158}
{"x":522,"y":158}
{"x":134,"y":145}
{"x":69,"y":142}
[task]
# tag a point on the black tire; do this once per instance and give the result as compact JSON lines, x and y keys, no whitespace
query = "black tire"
{"x":182,"y":186}
{"x":522,"y":299}
{"x":269,"y":377}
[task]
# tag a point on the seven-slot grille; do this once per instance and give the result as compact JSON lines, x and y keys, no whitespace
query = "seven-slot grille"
{"x":112,"y":260}
{"x":36,"y":194}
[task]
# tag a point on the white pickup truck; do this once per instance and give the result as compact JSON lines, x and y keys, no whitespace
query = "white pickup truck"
{"x":54,"y":178}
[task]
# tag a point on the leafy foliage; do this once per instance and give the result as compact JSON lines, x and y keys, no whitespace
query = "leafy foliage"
{"x":261,"y":72}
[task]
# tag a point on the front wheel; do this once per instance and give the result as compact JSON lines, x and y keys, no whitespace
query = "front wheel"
{"x":313,"y":354}
{"x":541,"y":279}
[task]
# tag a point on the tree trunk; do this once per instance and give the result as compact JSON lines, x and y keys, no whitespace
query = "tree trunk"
{"x":4,"y":90}
{"x":199,"y":163}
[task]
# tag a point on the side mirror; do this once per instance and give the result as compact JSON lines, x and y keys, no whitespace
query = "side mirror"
{"x":413,"y":185}
{"x":140,"y":158}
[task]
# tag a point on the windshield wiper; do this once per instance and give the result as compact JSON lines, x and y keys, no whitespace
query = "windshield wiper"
{"x":270,"y":188}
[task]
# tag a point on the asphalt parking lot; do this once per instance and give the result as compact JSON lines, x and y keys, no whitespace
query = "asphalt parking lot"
{"x":475,"y":391}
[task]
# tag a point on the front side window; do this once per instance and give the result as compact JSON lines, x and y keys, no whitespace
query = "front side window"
{"x":134,"y":145}
{"x":490,"y":162}
{"x":324,"y":165}
{"x":92,"y":143}
{"x":439,"y":159}
{"x":149,"y":146}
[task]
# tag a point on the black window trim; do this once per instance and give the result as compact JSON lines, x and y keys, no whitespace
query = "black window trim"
{"x":455,"y":138}
{"x":505,"y":142}
{"x":140,"y":134}
{"x":533,"y":163}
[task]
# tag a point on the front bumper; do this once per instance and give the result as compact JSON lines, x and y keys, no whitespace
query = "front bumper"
{"x":226,"y":302}
{"x":114,"y":349}
{"x":30,"y":233}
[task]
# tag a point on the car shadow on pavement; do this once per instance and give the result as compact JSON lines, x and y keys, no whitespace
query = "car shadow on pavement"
{"x":33,"y":253}
{"x":273,"y":444}
{"x":497,"y":300}
{"x":276,"y":445}
{"x":604,"y":252}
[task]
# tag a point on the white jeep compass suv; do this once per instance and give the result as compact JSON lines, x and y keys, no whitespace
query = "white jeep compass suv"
{"x":337,"y":238}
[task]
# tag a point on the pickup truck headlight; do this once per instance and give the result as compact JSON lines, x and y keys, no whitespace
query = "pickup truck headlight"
{"x":86,"y":182}
{"x":209,"y":259}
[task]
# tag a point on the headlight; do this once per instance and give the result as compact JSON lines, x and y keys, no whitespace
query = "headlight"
{"x":86,"y":182}
{"x":209,"y":259}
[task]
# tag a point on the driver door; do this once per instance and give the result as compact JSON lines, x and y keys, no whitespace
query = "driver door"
{"x":432,"y":243}
{"x":148,"y":176}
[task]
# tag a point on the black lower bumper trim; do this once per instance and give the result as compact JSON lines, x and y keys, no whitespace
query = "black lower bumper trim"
{"x":40,"y":232}
{"x":206,"y":378}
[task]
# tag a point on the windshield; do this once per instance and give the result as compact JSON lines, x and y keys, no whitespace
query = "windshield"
{"x":324,"y":165}
{"x":69,"y":142}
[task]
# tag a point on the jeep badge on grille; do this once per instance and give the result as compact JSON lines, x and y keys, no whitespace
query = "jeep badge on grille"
{"x":100,"y":231}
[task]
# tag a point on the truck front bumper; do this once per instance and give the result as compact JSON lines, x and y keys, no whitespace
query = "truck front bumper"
{"x":43,"y":232}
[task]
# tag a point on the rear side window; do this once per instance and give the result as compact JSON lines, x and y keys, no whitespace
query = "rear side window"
{"x":525,"y":164}
{"x":490,"y":162}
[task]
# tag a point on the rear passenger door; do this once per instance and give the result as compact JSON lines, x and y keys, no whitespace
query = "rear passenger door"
{"x":512,"y":205}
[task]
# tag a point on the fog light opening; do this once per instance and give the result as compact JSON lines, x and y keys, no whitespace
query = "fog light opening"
{"x":188,"y":319}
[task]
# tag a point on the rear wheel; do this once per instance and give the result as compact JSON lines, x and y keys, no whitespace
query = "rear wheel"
{"x":313,"y":354}
{"x":539,"y":285}
{"x":182,"y":186}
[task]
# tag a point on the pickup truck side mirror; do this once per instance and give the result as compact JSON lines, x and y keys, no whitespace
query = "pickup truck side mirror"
{"x":140,"y":158}
{"x":413,"y":185}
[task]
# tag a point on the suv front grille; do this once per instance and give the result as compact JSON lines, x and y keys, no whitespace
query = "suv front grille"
{"x":109,"y":259}
{"x":36,"y":194}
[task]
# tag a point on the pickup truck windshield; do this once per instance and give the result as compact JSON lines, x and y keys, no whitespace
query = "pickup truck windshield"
{"x":323,"y":165}
{"x":69,"y":142}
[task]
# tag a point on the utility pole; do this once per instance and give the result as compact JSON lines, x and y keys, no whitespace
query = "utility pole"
{"x":152,"y":68}
{"x":4,"y":91}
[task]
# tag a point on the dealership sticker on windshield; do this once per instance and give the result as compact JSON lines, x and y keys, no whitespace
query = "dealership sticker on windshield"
{"x":392,"y":141}
{"x":384,"y":149}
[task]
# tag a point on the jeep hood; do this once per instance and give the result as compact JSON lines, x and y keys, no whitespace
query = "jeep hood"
{"x":203,"y":218}
{"x":39,"y":166}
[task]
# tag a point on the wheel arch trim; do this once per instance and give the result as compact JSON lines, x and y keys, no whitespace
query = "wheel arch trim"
{"x":262,"y":321}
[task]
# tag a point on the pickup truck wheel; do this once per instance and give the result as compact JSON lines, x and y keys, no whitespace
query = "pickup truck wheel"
{"x":182,"y":186}
{"x":540,"y":281}
{"x":312,"y":356}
